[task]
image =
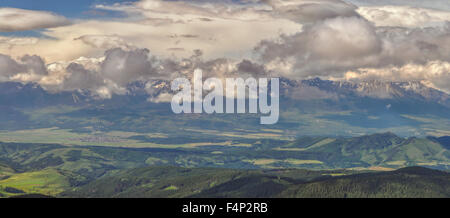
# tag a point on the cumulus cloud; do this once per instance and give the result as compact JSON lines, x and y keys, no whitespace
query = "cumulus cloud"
{"x":334,"y":46}
{"x":325,"y":47}
{"x":123,"y":67}
{"x":254,"y":69}
{"x":104,"y":76}
{"x":81,"y":78}
{"x":418,"y":45}
{"x":111,"y":74}
{"x":14,"y":19}
{"x":28,"y":68}
{"x":9,"y":67}
{"x":118,"y":68}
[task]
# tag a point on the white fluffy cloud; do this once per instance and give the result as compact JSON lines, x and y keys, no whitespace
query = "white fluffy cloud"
{"x":14,"y":19}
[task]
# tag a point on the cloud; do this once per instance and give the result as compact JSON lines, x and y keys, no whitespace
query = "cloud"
{"x":105,"y":42}
{"x":229,"y":38}
{"x":305,"y":11}
{"x":419,"y":45}
{"x":229,"y":31}
{"x":161,"y":98}
{"x":334,"y":46}
{"x":9,"y":67}
{"x":429,"y":4}
{"x":107,"y":75}
{"x":14,"y":19}
{"x":434,"y":73}
{"x":81,"y":78}
{"x":186,"y":11}
{"x":291,"y":38}
{"x":402,"y":16}
{"x":104,"y":76}
{"x":28,"y":68}
{"x":123,"y":67}
{"x":325,"y":47}
{"x":11,"y":42}
{"x":255,"y":69}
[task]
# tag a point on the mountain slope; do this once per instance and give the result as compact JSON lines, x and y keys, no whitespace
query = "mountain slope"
{"x":386,"y":149}
{"x":173,"y":182}
{"x":154,"y":182}
{"x":411,"y":182}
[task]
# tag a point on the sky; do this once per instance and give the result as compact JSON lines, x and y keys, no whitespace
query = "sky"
{"x":73,"y":9}
{"x":102,"y":45}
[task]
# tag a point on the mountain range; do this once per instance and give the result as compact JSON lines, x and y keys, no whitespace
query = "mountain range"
{"x":346,"y":108}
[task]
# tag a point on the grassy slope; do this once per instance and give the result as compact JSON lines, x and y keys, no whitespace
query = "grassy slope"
{"x":155,"y":182}
{"x":48,"y":182}
{"x":5,"y":170}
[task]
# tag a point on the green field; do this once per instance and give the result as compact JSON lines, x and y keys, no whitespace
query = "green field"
{"x":48,"y":182}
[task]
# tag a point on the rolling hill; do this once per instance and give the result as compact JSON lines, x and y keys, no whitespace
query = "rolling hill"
{"x":175,"y":182}
{"x":53,"y":169}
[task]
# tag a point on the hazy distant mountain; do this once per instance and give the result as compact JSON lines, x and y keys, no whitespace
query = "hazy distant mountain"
{"x":383,"y":90}
{"x":18,"y":94}
{"x":406,"y":108}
